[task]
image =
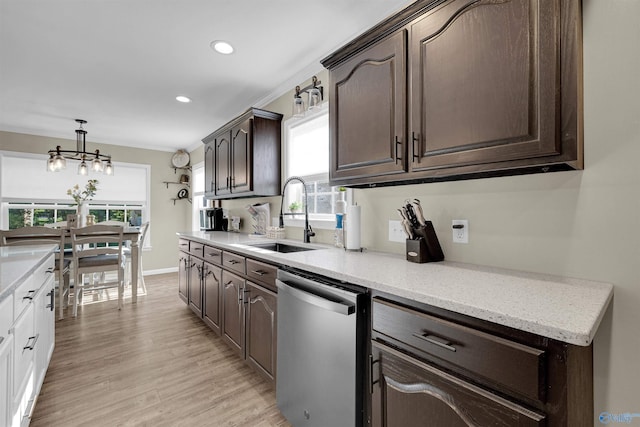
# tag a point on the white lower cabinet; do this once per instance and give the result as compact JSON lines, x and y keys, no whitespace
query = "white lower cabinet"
{"x":45,"y":326}
{"x":28,"y":339}
{"x":6,"y":360}
{"x":24,"y":345}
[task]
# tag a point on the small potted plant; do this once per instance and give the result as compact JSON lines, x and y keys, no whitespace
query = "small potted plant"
{"x":79,"y":197}
{"x":295,"y":206}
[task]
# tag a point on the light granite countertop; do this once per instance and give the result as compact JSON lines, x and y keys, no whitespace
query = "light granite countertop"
{"x":18,"y":262}
{"x":565,"y":309}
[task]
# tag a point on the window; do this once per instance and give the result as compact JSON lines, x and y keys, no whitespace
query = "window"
{"x":197,"y":194}
{"x":43,"y":199}
{"x":307,"y":157}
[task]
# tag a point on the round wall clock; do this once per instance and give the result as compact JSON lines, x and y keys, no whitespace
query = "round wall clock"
{"x":180,"y":159}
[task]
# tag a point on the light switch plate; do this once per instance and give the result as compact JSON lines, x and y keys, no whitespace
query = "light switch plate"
{"x":396,"y":232}
{"x":460,"y":235}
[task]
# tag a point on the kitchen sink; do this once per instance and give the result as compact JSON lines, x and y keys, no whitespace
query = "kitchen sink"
{"x":282,"y":247}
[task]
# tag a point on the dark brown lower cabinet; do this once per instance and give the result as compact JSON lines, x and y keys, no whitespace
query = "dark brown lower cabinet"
{"x":233,"y":288}
{"x":211,"y":301}
{"x":195,"y":285}
{"x":408,"y":392}
{"x":261,"y":306}
{"x":183,"y":276}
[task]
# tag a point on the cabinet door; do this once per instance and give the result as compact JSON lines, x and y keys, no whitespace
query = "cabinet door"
{"x":241,"y":157}
{"x":261,"y":330}
{"x":222,"y":170}
{"x":212,"y":303}
{"x":233,"y":288}
{"x":183,"y":276}
{"x":368,"y":112}
{"x":195,"y":285}
{"x":44,"y":328}
{"x":6,"y":355}
{"x":408,"y":393}
{"x":209,"y":167}
{"x":485,"y":83}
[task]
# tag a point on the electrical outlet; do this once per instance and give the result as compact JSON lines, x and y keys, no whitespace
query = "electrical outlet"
{"x":396,"y":232}
{"x":460,"y":229}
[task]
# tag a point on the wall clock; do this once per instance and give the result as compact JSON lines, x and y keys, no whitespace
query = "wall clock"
{"x":180,"y":159}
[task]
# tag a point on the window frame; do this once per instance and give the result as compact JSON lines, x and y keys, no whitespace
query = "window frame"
{"x":319,"y":221}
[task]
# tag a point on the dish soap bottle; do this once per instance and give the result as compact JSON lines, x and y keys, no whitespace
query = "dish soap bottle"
{"x":338,"y":234}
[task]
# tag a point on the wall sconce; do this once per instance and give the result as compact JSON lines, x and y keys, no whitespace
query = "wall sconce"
{"x":315,"y":94}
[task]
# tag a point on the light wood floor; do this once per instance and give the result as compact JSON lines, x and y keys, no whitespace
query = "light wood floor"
{"x":151,"y":364}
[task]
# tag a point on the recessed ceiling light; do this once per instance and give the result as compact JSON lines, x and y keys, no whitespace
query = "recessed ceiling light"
{"x":222,"y":47}
{"x":181,"y":98}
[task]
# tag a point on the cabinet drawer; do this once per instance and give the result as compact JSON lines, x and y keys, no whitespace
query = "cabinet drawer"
{"x":196,"y":249}
{"x":502,"y":362}
{"x":183,"y":245}
{"x":213,"y":255}
{"x":24,"y":294}
{"x":262,"y":273}
{"x":233,"y":262}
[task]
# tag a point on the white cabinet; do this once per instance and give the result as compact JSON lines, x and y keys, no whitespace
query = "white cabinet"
{"x":27,"y":334}
{"x":6,"y":358}
{"x":44,"y":327}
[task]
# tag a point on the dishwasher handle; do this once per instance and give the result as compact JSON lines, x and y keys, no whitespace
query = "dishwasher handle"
{"x":317,"y":300}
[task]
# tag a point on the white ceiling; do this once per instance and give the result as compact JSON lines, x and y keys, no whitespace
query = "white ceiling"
{"x":119,"y":64}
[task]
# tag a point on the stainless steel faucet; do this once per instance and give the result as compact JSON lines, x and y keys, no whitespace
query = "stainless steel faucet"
{"x":308,"y":232}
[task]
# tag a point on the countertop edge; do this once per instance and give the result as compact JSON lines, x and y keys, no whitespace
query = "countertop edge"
{"x":581,"y":334}
{"x":38,"y":254}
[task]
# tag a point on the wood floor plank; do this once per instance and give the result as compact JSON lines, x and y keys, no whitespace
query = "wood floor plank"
{"x":150,"y":364}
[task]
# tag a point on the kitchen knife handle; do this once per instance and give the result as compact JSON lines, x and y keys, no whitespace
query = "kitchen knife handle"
{"x":414,"y":139}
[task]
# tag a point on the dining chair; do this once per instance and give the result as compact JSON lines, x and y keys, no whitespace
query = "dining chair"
{"x":44,"y":235}
{"x":127,"y":253}
{"x":59,"y":224}
{"x":97,"y":249}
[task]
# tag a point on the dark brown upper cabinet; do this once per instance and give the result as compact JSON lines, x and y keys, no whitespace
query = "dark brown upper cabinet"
{"x":368,"y":111}
{"x":244,"y":157}
{"x":489,"y":88}
{"x":209,"y":169}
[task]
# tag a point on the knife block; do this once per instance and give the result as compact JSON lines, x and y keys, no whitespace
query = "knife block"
{"x":426,"y":248}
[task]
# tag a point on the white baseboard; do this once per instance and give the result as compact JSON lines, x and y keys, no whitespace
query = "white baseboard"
{"x":160,"y":271}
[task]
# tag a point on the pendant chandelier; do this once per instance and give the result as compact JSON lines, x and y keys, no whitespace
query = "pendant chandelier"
{"x":97,"y":162}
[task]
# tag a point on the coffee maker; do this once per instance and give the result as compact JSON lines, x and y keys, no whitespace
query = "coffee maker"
{"x":215,"y":220}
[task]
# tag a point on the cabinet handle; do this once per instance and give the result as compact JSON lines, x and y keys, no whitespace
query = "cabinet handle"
{"x":371,"y":381}
{"x":31,"y":344}
{"x":398,"y":143}
{"x":50,"y":270}
{"x":240,"y":296}
{"x":52,"y":296}
{"x":29,"y":295}
{"x":233,"y":262}
{"x":259,"y":272}
{"x":440,"y":342}
{"x":414,"y":139}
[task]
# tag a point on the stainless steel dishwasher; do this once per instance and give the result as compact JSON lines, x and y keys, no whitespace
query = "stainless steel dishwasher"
{"x":321,"y":344}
